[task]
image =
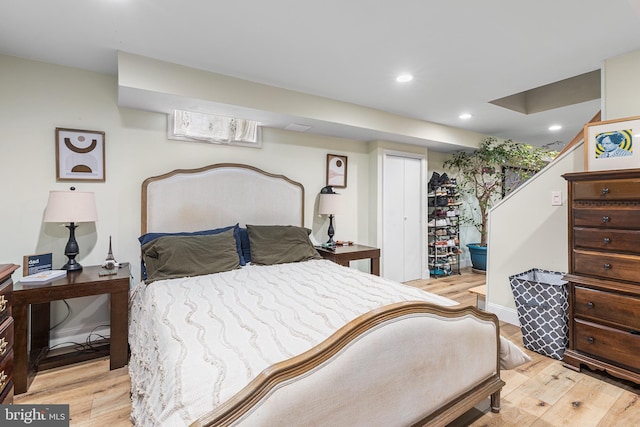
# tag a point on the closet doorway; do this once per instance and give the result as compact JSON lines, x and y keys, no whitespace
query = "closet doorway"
{"x":403,"y":213}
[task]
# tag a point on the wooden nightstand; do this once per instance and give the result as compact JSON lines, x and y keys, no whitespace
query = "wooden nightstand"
{"x":76,"y":284}
{"x":344,"y":254}
{"x":6,"y":334}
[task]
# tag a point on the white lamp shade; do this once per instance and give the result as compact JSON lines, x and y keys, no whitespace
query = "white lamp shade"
{"x":71,"y":206}
{"x":330,"y":204}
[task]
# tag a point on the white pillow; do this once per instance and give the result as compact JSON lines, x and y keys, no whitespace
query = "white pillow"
{"x":511,"y":356}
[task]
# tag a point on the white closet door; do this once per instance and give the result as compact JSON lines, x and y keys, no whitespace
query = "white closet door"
{"x":402,"y":219}
{"x":413,"y":200}
{"x":393,"y":217}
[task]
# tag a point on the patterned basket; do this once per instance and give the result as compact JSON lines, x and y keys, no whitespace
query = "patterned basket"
{"x":542,"y":304}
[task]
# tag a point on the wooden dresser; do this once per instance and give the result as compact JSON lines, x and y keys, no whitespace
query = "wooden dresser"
{"x":6,"y":334}
{"x":604,"y":272}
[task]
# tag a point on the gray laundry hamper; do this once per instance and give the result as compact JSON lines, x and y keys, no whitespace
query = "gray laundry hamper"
{"x":542,"y":305}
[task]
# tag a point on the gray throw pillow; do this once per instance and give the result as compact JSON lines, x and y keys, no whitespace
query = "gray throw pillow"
{"x":170,"y":257}
{"x":278,"y":244}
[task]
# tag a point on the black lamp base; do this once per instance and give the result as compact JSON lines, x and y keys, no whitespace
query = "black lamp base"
{"x":331,"y":232}
{"x":72,"y":250}
{"x":72,"y":265}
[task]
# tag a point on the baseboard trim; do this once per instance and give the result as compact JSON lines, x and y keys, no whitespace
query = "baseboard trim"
{"x":506,"y":314}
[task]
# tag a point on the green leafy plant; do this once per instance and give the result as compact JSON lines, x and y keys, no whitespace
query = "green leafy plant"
{"x":485,"y":172}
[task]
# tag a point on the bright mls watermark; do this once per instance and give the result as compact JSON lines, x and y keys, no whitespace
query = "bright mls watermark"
{"x":34,"y":415}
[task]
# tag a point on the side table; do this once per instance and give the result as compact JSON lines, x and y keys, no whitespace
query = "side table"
{"x":344,"y":254}
{"x":86,"y":282}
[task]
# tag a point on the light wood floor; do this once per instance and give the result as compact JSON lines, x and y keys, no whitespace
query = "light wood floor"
{"x":541,"y":393}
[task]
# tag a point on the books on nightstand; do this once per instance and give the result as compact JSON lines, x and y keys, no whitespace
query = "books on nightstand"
{"x":44,"y":276}
{"x":37,"y":263}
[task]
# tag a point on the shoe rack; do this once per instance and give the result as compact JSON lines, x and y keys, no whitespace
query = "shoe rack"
{"x":443,"y":226}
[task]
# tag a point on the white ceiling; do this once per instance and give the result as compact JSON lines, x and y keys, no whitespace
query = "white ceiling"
{"x":463,"y":53}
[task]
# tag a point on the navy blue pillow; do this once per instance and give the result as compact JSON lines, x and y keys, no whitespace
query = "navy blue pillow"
{"x":149,"y":237}
{"x":244,"y":241}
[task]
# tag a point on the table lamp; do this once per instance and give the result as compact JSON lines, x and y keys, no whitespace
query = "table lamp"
{"x":72,"y":207}
{"x":330,"y":203}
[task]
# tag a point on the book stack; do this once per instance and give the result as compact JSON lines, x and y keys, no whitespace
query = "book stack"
{"x":45,"y":276}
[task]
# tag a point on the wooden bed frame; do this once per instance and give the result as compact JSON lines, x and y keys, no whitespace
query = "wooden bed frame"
{"x":451,"y":365}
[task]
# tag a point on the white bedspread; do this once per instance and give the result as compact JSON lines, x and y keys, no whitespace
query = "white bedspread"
{"x":195,"y":342}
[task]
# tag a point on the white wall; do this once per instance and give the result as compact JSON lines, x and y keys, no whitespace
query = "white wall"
{"x":621,"y":86}
{"x":526,"y":231}
{"x":37,"y":98}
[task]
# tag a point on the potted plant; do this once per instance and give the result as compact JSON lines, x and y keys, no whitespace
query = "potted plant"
{"x":487,"y":174}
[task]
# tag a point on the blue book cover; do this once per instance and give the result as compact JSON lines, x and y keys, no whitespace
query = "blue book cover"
{"x":36,"y":263}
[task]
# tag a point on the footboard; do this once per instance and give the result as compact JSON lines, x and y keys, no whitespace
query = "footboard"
{"x":403,"y":364}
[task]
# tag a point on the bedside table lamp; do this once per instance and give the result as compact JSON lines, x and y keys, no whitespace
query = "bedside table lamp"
{"x":72,"y":207}
{"x":330,"y":203}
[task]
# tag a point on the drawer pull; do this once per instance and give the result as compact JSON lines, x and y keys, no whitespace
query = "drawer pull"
{"x":634,"y":332}
{"x":590,"y":304}
{"x":3,"y":346}
{"x":605,"y":190}
{"x":3,"y":303}
{"x":605,"y":219}
{"x":606,"y":240}
{"x":607,"y":266}
{"x":591,"y":340}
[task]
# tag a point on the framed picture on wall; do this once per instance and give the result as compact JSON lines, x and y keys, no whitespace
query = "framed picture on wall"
{"x":79,"y":155}
{"x":337,"y":171}
{"x":612,"y":144}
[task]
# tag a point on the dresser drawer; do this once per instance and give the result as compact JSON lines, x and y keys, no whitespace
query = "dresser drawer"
{"x":608,"y":307}
{"x":5,"y":294}
{"x":6,"y":397}
{"x":619,"y":189}
{"x":6,"y":370}
{"x":608,"y":240}
{"x":611,"y":344}
{"x":607,"y":217}
{"x":6,"y":337}
{"x":606,"y":265}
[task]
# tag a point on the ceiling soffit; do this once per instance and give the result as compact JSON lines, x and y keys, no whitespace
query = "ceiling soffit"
{"x":574,"y":90}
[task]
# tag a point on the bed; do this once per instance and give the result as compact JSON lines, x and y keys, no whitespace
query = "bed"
{"x":287,"y":338}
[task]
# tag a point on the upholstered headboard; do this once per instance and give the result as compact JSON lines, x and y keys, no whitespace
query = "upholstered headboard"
{"x":217,"y":196}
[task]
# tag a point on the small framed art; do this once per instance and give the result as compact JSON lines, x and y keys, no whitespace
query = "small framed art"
{"x":337,"y":171}
{"x":79,"y":155}
{"x":611,"y":144}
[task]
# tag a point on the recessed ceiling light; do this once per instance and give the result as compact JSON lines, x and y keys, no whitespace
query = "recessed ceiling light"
{"x":404,"y":78}
{"x":555,"y":127}
{"x":465,"y":116}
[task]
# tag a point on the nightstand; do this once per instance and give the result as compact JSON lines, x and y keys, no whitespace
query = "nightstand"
{"x":6,"y":334}
{"x":344,"y":254}
{"x":82,"y":283}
